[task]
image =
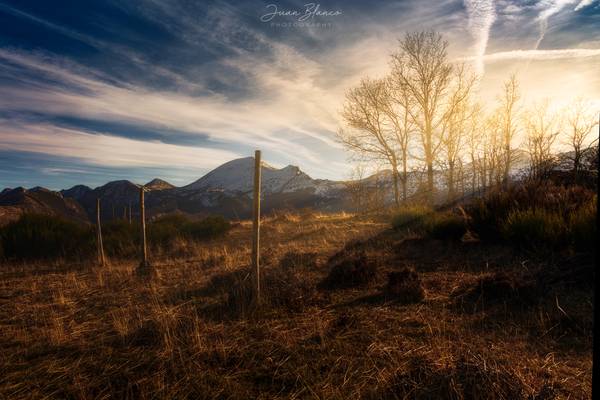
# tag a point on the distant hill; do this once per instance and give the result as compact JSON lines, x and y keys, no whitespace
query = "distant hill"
{"x":158,"y":184}
{"x":38,"y":200}
{"x":115,"y":198}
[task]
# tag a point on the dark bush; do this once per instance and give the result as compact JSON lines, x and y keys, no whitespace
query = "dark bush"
{"x":354,"y":270}
{"x":165,"y":230}
{"x":543,"y":208}
{"x":583,"y":226}
{"x":446,"y":226}
{"x":120,"y":238}
{"x":405,"y":286}
{"x":208,"y":228}
{"x":534,"y":228}
{"x":44,"y":237}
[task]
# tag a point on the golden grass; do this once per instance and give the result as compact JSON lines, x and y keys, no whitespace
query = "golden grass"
{"x":87,"y":333}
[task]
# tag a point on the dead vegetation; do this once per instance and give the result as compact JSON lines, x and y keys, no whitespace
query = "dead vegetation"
{"x":428,"y":319}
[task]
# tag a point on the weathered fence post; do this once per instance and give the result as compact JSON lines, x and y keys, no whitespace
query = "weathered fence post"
{"x":101,"y":259}
{"x":144,"y":268}
{"x":256,"y":227}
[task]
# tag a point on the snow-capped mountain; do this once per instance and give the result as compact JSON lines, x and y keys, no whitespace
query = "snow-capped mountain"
{"x":237,"y":177}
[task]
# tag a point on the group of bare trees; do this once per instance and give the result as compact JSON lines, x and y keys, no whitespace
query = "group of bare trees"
{"x":424,"y":116}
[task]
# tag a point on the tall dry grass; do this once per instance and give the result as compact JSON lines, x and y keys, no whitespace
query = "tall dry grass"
{"x":81,"y":332}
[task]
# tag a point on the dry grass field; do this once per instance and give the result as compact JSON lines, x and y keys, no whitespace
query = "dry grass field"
{"x":472,"y":321}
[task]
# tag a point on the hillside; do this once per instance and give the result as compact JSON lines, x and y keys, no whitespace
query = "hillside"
{"x":15,"y":202}
{"x":158,"y":184}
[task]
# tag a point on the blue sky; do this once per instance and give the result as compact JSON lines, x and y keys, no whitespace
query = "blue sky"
{"x":92,"y":91}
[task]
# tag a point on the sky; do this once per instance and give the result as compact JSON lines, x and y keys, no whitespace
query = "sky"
{"x":94,"y":91}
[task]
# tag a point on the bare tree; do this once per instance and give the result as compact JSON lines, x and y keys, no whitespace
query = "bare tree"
{"x":452,"y":145}
{"x":508,"y":103}
{"x":542,"y":130}
{"x":357,"y":188}
{"x":492,"y":151}
{"x":370,"y":137}
{"x":420,"y":67}
{"x":474,"y":142}
{"x":399,"y":107}
{"x":580,"y":121}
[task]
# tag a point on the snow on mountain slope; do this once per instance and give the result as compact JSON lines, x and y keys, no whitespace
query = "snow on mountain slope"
{"x":237,"y":177}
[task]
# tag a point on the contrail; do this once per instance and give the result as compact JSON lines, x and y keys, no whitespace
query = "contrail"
{"x":583,"y":3}
{"x":482,"y":15}
{"x":552,"y":7}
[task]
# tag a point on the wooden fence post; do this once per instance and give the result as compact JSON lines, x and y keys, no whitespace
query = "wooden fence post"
{"x":256,"y":227}
{"x":101,"y":259}
{"x":144,"y":268}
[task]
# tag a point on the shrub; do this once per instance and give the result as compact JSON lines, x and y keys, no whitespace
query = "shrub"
{"x":355,"y":270}
{"x":583,"y":228}
{"x":489,"y":213}
{"x":120,"y":238}
{"x":446,"y":226}
{"x":534,"y":227}
{"x":165,"y":230}
{"x":208,"y":228}
{"x":411,"y":217}
{"x":43,"y":237}
{"x":405,"y":286}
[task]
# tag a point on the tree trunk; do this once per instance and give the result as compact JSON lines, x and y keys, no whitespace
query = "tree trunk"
{"x":396,"y":191}
{"x":507,"y":165}
{"x":450,"y":181}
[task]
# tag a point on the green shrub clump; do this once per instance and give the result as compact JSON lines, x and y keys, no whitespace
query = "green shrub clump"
{"x":583,"y":226}
{"x":36,"y":236}
{"x":207,"y":228}
{"x":446,"y":226}
{"x":120,"y":238}
{"x":534,"y":227}
{"x":534,"y":215}
{"x":424,"y":220}
{"x":49,"y":237}
{"x":411,"y":218}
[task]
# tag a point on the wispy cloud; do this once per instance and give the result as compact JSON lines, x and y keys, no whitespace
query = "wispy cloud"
{"x":482,"y":15}
{"x":104,"y":150}
{"x":548,"y":9}
{"x":541,"y":54}
{"x":583,"y":3}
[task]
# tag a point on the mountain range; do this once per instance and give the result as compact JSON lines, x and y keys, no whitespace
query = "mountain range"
{"x":226,"y":190}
